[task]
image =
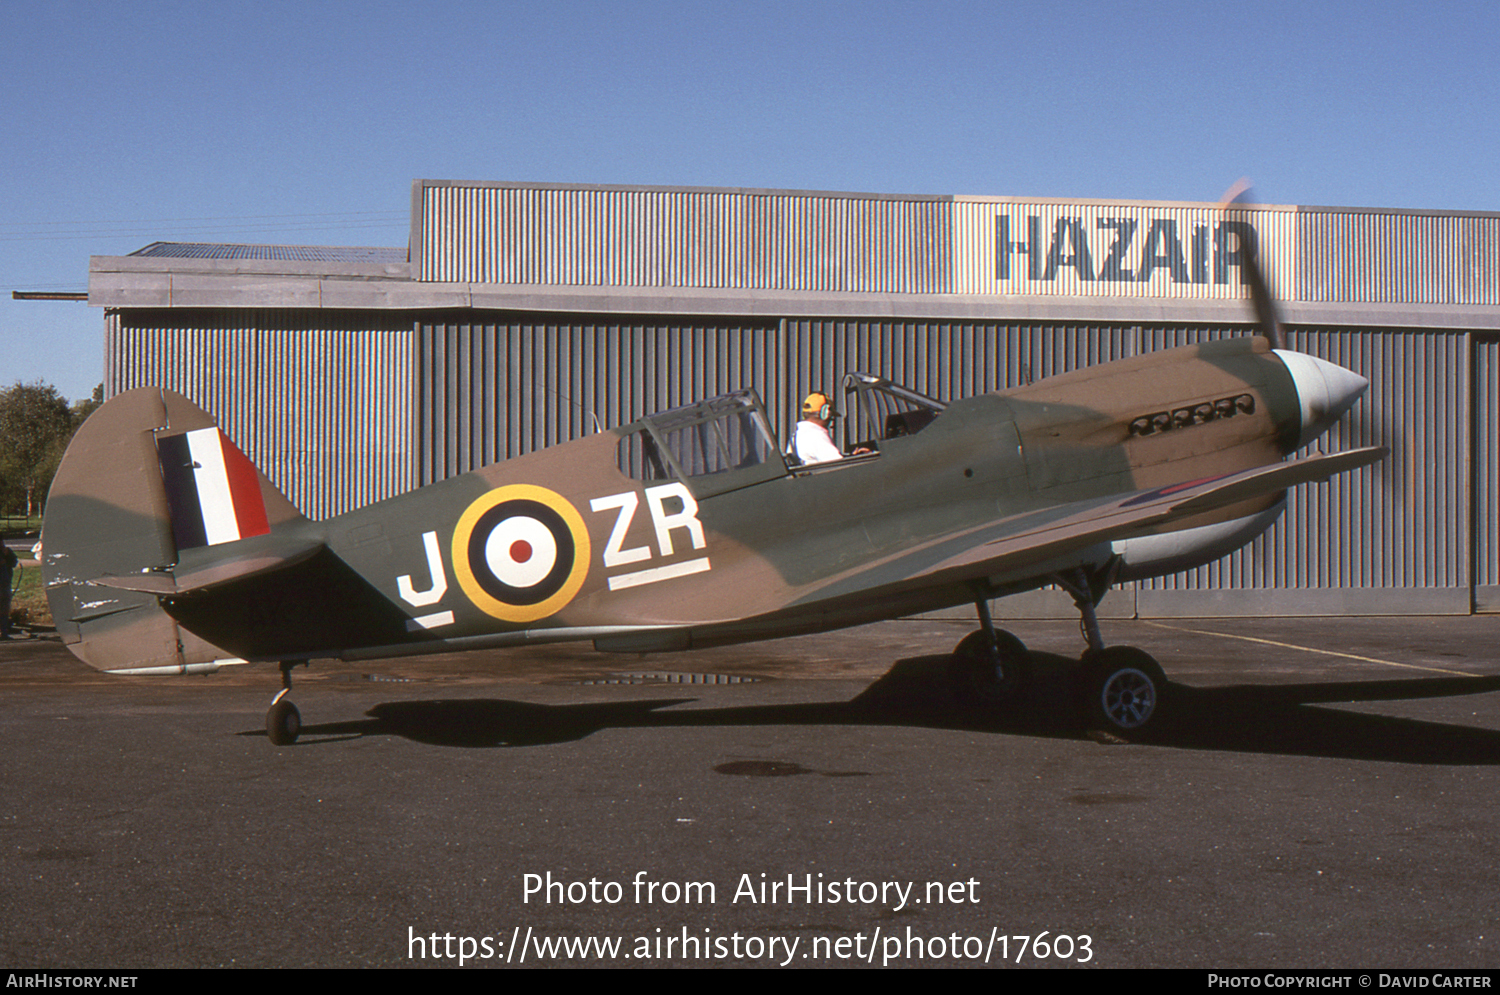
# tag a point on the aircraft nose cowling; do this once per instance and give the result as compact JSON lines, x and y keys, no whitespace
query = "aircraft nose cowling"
{"x":1324,"y":389}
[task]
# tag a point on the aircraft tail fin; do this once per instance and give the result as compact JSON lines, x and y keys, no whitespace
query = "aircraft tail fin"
{"x":148,"y":478}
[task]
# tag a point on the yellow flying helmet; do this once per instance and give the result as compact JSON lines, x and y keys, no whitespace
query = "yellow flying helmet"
{"x":817,"y":404}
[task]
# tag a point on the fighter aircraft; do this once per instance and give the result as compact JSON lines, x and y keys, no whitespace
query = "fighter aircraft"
{"x":167,"y":551}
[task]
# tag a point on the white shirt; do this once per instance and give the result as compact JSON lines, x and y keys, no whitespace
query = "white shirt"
{"x":811,"y":443}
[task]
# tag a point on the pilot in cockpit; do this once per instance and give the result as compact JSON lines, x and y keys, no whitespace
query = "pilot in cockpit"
{"x":811,"y":440}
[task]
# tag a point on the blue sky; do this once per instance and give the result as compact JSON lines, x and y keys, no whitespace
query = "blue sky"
{"x":305,"y":122}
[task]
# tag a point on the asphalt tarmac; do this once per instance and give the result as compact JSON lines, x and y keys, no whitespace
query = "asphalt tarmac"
{"x":1310,"y":803}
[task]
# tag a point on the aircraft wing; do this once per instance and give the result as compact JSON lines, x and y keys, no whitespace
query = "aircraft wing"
{"x":1009,"y":544}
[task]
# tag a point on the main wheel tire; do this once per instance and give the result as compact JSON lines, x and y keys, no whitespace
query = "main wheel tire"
{"x":1121,"y":691}
{"x":989,"y":673}
{"x":283,"y":723}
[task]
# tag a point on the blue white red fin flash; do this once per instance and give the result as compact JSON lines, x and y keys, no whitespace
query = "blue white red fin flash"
{"x":212,"y":488}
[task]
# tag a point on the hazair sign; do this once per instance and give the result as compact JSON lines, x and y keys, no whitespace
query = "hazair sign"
{"x":1115,"y":249}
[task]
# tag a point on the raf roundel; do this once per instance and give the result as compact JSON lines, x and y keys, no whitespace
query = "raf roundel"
{"x":521,"y":552}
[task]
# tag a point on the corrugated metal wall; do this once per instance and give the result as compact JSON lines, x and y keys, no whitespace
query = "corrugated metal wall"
{"x":1486,"y":473}
{"x":789,"y":240}
{"x":683,"y":238}
{"x":1391,"y":257}
{"x":321,"y":401}
{"x":488,"y":391}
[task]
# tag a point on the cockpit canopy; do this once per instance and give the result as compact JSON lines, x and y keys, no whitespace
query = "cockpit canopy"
{"x":716,"y":445}
{"x":724,"y":443}
{"x":886,"y":409}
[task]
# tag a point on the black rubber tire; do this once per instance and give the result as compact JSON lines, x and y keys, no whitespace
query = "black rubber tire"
{"x":283,"y":723}
{"x":984,"y":674}
{"x":1120,"y":691}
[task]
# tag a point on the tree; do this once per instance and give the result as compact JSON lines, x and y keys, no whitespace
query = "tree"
{"x":82,"y":409}
{"x":35,"y":426}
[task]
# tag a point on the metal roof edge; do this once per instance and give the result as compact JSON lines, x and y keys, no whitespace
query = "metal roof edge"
{"x":218,"y":287}
{"x":1406,"y":211}
{"x":418,"y":185}
{"x":1098,"y":202}
{"x":332,"y":269}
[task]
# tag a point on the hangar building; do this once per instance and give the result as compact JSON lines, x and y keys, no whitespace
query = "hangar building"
{"x":523,"y":315}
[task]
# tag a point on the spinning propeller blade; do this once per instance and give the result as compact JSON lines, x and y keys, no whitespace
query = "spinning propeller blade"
{"x":1260,"y":293}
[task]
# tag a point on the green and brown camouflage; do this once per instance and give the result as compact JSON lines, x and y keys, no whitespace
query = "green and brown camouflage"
{"x":688,"y":528}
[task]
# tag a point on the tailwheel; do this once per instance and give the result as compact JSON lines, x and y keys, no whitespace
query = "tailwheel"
{"x":1120,"y":691}
{"x":283,"y":721}
{"x":989,"y":667}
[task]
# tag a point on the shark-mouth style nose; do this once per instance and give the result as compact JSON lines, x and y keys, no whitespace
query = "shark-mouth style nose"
{"x":1325,"y":390}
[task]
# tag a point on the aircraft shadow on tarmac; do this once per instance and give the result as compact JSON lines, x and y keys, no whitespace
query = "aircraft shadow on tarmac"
{"x":1280,"y":719}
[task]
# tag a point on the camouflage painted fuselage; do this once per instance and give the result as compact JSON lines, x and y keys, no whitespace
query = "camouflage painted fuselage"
{"x":676,"y":533}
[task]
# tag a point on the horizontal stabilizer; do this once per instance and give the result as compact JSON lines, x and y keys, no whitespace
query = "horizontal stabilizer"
{"x":254,"y":558}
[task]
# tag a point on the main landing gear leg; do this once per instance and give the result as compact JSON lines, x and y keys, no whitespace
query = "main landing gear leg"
{"x":990,"y":665}
{"x":283,"y":721}
{"x":1087,"y":590}
{"x":1119,"y":687}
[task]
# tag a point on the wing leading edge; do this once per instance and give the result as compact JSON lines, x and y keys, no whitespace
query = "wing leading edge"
{"x":1009,"y":545}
